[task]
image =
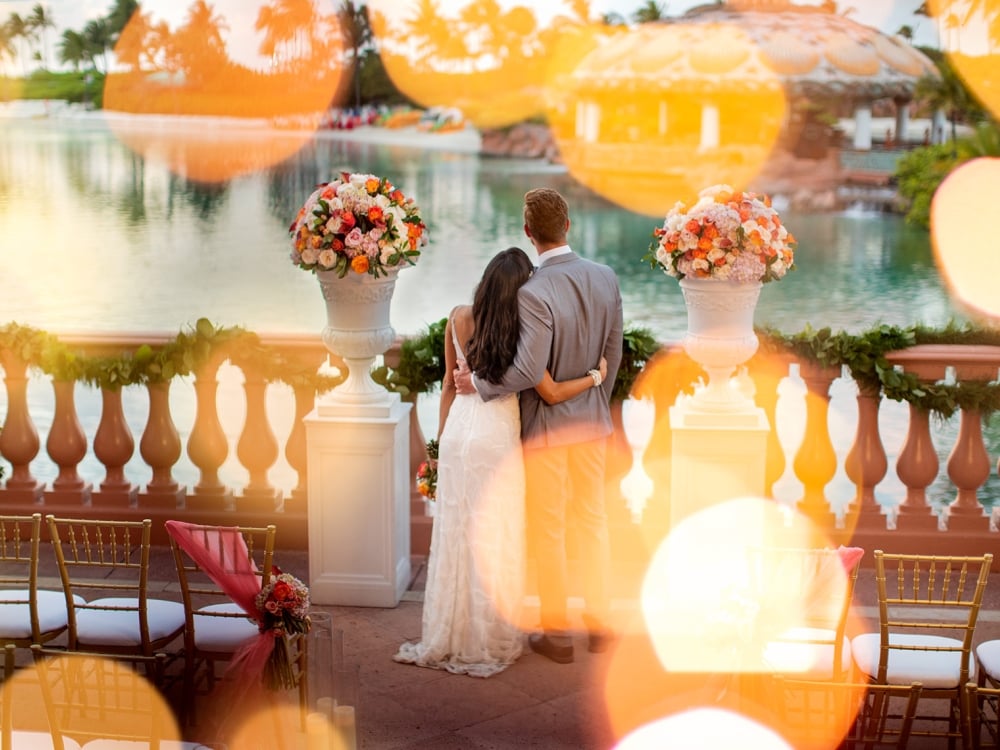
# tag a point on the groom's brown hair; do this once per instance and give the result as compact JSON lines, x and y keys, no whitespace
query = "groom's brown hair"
{"x":546,"y":215}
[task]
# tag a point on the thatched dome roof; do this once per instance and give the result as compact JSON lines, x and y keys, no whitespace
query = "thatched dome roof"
{"x":746,"y":46}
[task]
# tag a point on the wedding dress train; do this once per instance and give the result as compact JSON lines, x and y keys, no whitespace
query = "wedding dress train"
{"x":475,"y":571}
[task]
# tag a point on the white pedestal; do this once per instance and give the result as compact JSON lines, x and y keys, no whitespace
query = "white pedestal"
{"x":359,"y":504}
{"x":715,"y":457}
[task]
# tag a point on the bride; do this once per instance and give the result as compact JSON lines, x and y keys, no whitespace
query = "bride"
{"x":475,"y":571}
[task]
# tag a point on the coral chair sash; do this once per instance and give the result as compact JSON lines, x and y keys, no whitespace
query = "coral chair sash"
{"x":221,"y":552}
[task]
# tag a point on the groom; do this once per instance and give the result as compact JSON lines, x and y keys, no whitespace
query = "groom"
{"x":570,"y":316}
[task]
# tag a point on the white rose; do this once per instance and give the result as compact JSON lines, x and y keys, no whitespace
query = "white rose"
{"x":309,"y":256}
{"x":327,"y":258}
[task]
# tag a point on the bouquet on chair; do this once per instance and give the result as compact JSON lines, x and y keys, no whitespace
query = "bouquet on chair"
{"x":284,"y":610}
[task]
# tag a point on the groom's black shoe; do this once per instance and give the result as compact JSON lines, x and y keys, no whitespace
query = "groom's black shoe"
{"x":541,"y":644}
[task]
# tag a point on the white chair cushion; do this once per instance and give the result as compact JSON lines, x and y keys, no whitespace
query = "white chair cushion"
{"x":935,"y":669}
{"x":988,"y":653}
{"x":800,"y":652}
{"x":15,"y":619}
{"x":222,"y":634}
{"x":39,"y":741}
{"x":102,"y":627}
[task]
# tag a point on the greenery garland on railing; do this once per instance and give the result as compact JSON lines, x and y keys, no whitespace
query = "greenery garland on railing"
{"x":421,"y":363}
{"x":188,"y":352}
{"x":864,"y":354}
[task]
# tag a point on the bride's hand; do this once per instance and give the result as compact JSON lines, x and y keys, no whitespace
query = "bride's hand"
{"x":603,"y":368}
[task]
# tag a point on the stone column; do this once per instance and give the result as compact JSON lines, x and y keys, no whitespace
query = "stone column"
{"x":902,"y":121}
{"x":863,"y":127}
{"x":709,"y":126}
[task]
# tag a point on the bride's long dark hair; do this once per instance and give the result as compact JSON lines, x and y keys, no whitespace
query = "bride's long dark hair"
{"x":491,"y":349}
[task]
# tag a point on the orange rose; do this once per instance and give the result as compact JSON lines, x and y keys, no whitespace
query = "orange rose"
{"x":375,"y":214}
{"x":328,"y":192}
{"x":359,"y":264}
{"x":396,"y":196}
{"x":705,"y":243}
{"x":371,"y":185}
{"x":337,"y":244}
{"x":348,"y":220}
{"x":693,"y":226}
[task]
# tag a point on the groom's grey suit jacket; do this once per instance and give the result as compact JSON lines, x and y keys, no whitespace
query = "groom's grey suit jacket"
{"x":571,"y":316}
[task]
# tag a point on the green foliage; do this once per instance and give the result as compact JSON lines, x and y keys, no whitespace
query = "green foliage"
{"x":69,"y":86}
{"x":421,"y":363}
{"x":189,"y":351}
{"x":918,"y":174}
{"x":638,"y":347}
{"x":864,"y":355}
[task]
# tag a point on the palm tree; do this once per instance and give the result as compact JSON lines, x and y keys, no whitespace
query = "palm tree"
{"x":119,"y":16}
{"x":133,"y":41}
{"x":73,"y":49}
{"x":7,"y":47}
{"x":990,"y":13}
{"x":39,"y":21}
{"x":199,"y":42}
{"x":98,"y":37}
{"x":650,"y":11}
{"x":353,"y":21}
{"x":17,"y":30}
{"x":287,"y":24}
{"x":946,"y":92}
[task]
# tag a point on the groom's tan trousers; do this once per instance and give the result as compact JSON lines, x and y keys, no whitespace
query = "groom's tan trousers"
{"x":567,"y":482}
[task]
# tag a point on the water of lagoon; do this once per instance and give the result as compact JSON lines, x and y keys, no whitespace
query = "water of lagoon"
{"x":97,"y":238}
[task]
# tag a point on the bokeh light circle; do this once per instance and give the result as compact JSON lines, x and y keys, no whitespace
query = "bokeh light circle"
{"x":962,"y":212}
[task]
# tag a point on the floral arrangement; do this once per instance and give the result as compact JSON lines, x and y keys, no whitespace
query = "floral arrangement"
{"x":283,"y":605}
{"x":427,"y":473}
{"x":357,"y":222}
{"x":727,"y":235}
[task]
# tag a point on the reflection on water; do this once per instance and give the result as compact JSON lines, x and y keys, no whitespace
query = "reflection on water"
{"x":97,"y":238}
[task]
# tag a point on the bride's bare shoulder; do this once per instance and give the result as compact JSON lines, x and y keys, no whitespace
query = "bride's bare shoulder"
{"x":461,"y":314}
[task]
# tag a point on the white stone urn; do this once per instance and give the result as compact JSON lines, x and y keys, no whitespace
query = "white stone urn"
{"x":720,"y":337}
{"x":358,"y":330}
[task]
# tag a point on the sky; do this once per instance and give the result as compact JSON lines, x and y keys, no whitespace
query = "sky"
{"x":887,"y":15}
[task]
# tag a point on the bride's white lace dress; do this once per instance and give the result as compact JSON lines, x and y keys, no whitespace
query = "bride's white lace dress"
{"x":475,"y":571}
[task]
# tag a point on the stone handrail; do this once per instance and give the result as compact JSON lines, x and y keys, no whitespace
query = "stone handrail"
{"x":912,"y":526}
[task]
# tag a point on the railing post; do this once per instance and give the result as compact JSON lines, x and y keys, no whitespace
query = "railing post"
{"x":968,"y":469}
{"x":917,"y":467}
{"x":19,"y":441}
{"x":295,"y":448}
{"x":67,"y":447}
{"x":207,"y":446}
{"x":160,"y":447}
{"x":113,"y":446}
{"x":815,"y":462}
{"x":257,"y":448}
{"x":767,"y":374}
{"x":866,"y":463}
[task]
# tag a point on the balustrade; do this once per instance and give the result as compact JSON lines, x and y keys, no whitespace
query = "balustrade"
{"x":908,"y":525}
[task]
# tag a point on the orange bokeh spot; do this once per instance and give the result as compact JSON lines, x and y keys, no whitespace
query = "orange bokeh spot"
{"x":659,"y":112}
{"x":268,"y":70}
{"x":961,"y":213}
{"x":718,"y":603}
{"x":94,"y":697}
{"x":482,"y":59}
{"x":968,"y":37}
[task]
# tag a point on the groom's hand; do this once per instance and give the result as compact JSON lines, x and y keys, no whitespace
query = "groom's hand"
{"x":463,"y":379}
